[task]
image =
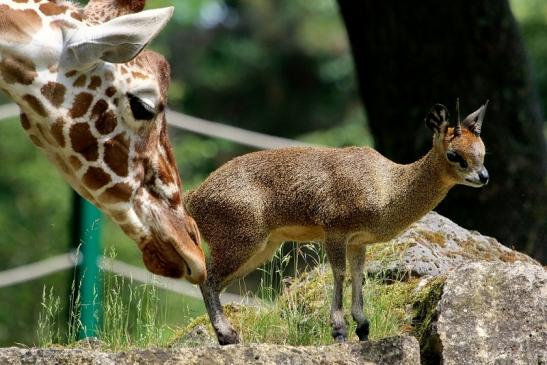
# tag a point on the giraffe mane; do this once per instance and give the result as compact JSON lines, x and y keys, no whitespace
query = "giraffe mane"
{"x":104,"y":10}
{"x":132,"y":6}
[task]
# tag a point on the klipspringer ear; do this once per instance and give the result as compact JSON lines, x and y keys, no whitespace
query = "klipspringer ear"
{"x":473,"y":121}
{"x":118,"y":40}
{"x":437,"y":118}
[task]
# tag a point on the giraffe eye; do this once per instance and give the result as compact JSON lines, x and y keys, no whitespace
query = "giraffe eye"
{"x":140,"y":108}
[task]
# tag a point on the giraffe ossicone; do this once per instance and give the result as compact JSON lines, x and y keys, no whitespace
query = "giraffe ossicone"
{"x":93,"y":100}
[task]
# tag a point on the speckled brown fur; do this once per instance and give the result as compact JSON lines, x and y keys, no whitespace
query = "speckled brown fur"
{"x":345,"y":197}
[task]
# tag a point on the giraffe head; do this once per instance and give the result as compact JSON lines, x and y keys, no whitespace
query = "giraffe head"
{"x":94,"y":102}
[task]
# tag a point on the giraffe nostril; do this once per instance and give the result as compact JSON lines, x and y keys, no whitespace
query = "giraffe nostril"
{"x":193,"y":232}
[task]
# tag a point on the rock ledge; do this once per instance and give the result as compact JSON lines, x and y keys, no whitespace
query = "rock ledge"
{"x":396,"y":350}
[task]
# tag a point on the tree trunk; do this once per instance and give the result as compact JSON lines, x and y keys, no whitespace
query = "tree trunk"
{"x":410,"y":55}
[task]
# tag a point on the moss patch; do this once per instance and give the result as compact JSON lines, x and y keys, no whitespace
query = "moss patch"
{"x":300,"y":315}
{"x":433,"y":237}
{"x":387,"y":252}
{"x":425,"y":313}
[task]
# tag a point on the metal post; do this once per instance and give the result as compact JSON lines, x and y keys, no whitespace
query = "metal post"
{"x":86,"y":223}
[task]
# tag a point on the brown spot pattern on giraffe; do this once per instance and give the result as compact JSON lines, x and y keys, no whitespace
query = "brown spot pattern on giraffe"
{"x":54,"y":92}
{"x":118,"y":215}
{"x":175,"y":200}
{"x":132,"y":6}
{"x":25,"y":122}
{"x":165,"y":173}
{"x":57,"y":131}
{"x":16,"y":70}
{"x":116,"y":155}
{"x":71,"y":73}
{"x":76,"y":16}
{"x":50,"y":8}
{"x":95,"y":178}
{"x":62,"y":164}
{"x":84,"y":142}
{"x":139,"y":75}
{"x":36,"y":141}
{"x":35,"y":104}
{"x":106,"y":123}
{"x":110,"y":91}
{"x":98,"y":109}
{"x":18,"y":26}
{"x":80,"y":81}
{"x":75,"y":163}
{"x":81,"y":104}
{"x":94,"y":83}
{"x":118,"y":193}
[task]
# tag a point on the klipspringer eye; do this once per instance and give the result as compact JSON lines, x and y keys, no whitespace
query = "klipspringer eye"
{"x":456,"y":158}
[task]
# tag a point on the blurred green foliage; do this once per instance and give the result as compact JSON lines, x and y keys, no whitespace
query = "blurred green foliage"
{"x":275,"y":67}
{"x":282,"y":68}
{"x":532,"y":16}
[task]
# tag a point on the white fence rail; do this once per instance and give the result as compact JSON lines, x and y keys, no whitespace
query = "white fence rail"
{"x":204,"y":128}
{"x":36,"y":270}
{"x":66,"y":261}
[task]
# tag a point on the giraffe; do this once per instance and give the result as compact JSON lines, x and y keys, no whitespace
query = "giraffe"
{"x":93,"y":100}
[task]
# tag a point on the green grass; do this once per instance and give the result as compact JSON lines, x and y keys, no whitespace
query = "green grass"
{"x":133,"y":315}
{"x":293,"y":311}
{"x":299,"y":315}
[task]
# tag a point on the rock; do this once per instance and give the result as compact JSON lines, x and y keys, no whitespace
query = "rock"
{"x":492,"y":313}
{"x":435,"y":245}
{"x":392,"y":351}
{"x":198,"y":336}
{"x":92,"y":343}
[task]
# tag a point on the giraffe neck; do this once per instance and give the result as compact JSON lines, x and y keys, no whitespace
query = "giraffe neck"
{"x":101,"y":121}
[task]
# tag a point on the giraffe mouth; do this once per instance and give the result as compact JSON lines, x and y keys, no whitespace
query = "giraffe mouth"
{"x":163,"y":258}
{"x":192,"y":257}
{"x":184,"y":242}
{"x":173,"y":246}
{"x":186,"y":270}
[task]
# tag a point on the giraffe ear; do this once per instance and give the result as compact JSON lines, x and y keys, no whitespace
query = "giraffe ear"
{"x":118,"y":40}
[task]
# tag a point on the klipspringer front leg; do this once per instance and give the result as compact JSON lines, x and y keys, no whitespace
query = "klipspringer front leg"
{"x":356,"y":257}
{"x":226,"y":334}
{"x":335,"y":247}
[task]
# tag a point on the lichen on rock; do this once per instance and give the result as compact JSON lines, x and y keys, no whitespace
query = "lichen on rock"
{"x":493,"y":313}
{"x":464,"y":297}
{"x":435,"y":245}
{"x":402,"y":350}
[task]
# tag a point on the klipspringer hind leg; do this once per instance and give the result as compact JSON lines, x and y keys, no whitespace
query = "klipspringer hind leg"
{"x":356,"y":257}
{"x":223,"y":268}
{"x":335,"y":247}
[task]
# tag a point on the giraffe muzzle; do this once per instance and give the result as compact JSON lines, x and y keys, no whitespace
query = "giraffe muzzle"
{"x":192,"y":254}
{"x":174,"y":250}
